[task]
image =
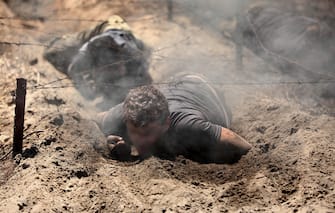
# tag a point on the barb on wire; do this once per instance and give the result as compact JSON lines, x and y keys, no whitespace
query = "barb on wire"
{"x":32,"y":133}
{"x":52,"y":87}
{"x":187,"y":38}
{"x":49,"y":83}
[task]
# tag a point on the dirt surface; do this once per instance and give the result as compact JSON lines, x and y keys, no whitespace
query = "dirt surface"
{"x":290,"y":168}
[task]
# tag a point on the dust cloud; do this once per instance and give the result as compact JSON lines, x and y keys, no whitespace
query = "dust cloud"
{"x":294,"y":48}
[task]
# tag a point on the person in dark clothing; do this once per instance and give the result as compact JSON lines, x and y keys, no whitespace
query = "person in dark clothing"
{"x":107,"y":60}
{"x":300,"y":46}
{"x":185,"y":117}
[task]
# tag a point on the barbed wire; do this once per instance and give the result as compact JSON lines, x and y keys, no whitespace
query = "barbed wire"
{"x":50,"y":82}
{"x":27,"y":29}
{"x":154,"y":53}
{"x":230,"y":83}
{"x":49,"y":19}
{"x":44,"y":19}
{"x":24,"y":44}
{"x":220,"y":83}
{"x":138,"y":53}
{"x":160,"y":56}
{"x":6,"y":155}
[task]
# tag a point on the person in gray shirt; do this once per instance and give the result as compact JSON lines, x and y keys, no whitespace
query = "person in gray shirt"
{"x":184,"y":117}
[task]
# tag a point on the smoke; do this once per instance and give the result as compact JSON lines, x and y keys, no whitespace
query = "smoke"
{"x":205,"y":35}
{"x":290,"y":43}
{"x":213,"y":11}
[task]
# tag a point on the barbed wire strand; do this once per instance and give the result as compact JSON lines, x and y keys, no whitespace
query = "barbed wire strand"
{"x":17,"y":43}
{"x":209,"y":82}
{"x":154,"y":53}
{"x":187,"y":38}
{"x":230,"y":83}
{"x":44,"y":19}
{"x":6,"y":155}
{"x":28,"y":29}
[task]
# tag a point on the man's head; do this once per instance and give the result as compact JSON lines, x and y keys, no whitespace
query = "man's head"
{"x":146,"y":114}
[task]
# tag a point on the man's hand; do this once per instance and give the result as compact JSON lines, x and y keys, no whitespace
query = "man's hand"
{"x":118,"y":148}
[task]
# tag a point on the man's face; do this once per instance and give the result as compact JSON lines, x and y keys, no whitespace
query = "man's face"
{"x":145,"y":137}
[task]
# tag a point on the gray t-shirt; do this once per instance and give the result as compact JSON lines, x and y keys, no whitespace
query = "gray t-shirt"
{"x":197,"y":115}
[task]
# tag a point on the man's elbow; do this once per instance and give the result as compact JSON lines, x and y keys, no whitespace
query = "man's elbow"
{"x":229,"y":157}
{"x":225,"y":152}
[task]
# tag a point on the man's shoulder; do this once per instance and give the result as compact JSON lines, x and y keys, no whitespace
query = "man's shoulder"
{"x":184,"y":118}
{"x":111,"y":121}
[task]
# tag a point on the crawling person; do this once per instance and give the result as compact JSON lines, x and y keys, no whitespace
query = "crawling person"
{"x":185,"y":117}
{"x":107,"y":60}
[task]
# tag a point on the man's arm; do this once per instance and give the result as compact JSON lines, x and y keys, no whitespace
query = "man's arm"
{"x":230,"y":137}
{"x":111,"y":121}
{"x":230,"y":148}
{"x":226,"y":146}
{"x":111,"y":124}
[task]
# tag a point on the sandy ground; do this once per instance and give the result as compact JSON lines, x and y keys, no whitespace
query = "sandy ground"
{"x":290,"y":168}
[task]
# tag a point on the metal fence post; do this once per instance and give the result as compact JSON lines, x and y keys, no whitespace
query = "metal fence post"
{"x":20,"y":102}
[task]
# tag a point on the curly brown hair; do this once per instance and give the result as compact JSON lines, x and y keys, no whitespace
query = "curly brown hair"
{"x":144,"y":105}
